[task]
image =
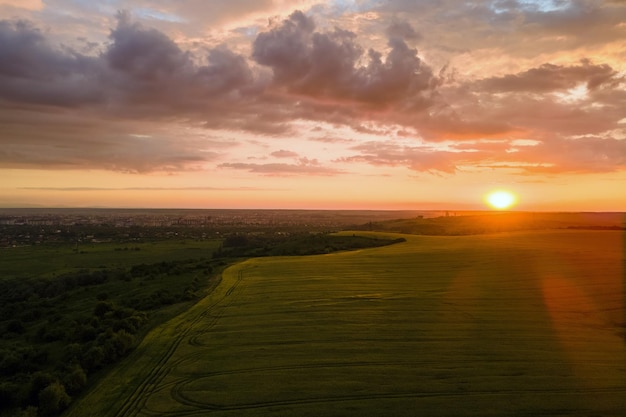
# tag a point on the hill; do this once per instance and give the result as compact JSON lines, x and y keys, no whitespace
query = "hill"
{"x":471,"y":223}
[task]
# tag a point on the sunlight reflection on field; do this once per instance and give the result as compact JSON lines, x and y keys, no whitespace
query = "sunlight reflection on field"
{"x":583,"y":293}
{"x":508,"y":324}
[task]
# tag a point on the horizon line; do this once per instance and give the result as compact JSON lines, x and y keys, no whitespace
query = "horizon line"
{"x":484,"y":210}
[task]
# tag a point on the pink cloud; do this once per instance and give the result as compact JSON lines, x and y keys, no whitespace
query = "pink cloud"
{"x":67,"y":107}
{"x":550,"y":77}
{"x":284,"y":154}
{"x":327,"y":65}
{"x":304,"y":166}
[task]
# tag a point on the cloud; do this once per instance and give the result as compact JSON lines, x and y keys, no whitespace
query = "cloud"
{"x":52,"y":139}
{"x":558,"y":155}
{"x":148,"y":67}
{"x":490,"y":23}
{"x":550,"y":77}
{"x":33,"y":71}
{"x":584,"y":155}
{"x":145,"y":54}
{"x":328,"y":65}
{"x":63,"y":109}
{"x":73,"y":189}
{"x":550,"y":115}
{"x":304,"y":166}
{"x":327,"y":139}
{"x":554,"y":76}
{"x":402,"y":30}
{"x":416,"y":158}
{"x":284,"y":154}
{"x":458,"y":127}
{"x":24,"y":4}
{"x":222,"y":12}
{"x":139,"y":66}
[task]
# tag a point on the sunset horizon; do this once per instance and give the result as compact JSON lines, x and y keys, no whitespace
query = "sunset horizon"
{"x":321,"y":105}
{"x":357,"y":208}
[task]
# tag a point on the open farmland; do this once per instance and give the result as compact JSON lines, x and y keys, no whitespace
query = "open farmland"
{"x":519,"y":324}
{"x":51,"y":260}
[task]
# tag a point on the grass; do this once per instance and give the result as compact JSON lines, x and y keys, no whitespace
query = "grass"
{"x":515,"y":324}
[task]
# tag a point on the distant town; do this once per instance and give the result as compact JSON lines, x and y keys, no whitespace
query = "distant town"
{"x":36,"y":226}
{"x":32,"y":226}
{"x":209,"y":217}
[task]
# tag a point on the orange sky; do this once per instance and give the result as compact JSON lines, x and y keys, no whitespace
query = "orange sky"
{"x":391,"y":104}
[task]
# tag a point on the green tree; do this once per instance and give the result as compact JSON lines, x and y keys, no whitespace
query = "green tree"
{"x":8,"y":395}
{"x":122,"y":342}
{"x":75,"y":380}
{"x":102,"y":308}
{"x":16,"y":326}
{"x":39,"y":381}
{"x":93,"y":358}
{"x":53,"y":399}
{"x":27,"y":412}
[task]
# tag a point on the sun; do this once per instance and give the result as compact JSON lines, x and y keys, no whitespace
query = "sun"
{"x":501,"y":199}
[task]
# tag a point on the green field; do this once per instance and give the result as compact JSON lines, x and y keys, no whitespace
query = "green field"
{"x":52,"y":260}
{"x":512,"y":324}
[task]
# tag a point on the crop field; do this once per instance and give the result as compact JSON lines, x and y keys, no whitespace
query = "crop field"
{"x":512,"y":324}
{"x":38,"y":261}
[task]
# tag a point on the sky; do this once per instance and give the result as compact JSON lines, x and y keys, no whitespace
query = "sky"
{"x":340,"y":104}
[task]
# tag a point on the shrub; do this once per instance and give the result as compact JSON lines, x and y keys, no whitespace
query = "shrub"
{"x":102,"y":308}
{"x":15,"y":326}
{"x":75,"y":380}
{"x":8,"y":395}
{"x":53,"y":399}
{"x":93,"y":358}
{"x":27,"y":412}
{"x":72,"y":353}
{"x":9,"y":362}
{"x":122,"y":342}
{"x":39,"y":381}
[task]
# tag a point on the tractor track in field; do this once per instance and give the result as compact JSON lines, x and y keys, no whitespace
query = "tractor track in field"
{"x":136,"y":401}
{"x":347,"y":364}
{"x":207,"y":407}
{"x":177,"y":391}
{"x":488,"y":350}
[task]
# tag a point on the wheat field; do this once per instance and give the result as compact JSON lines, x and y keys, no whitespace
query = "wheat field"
{"x":511,"y":324}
